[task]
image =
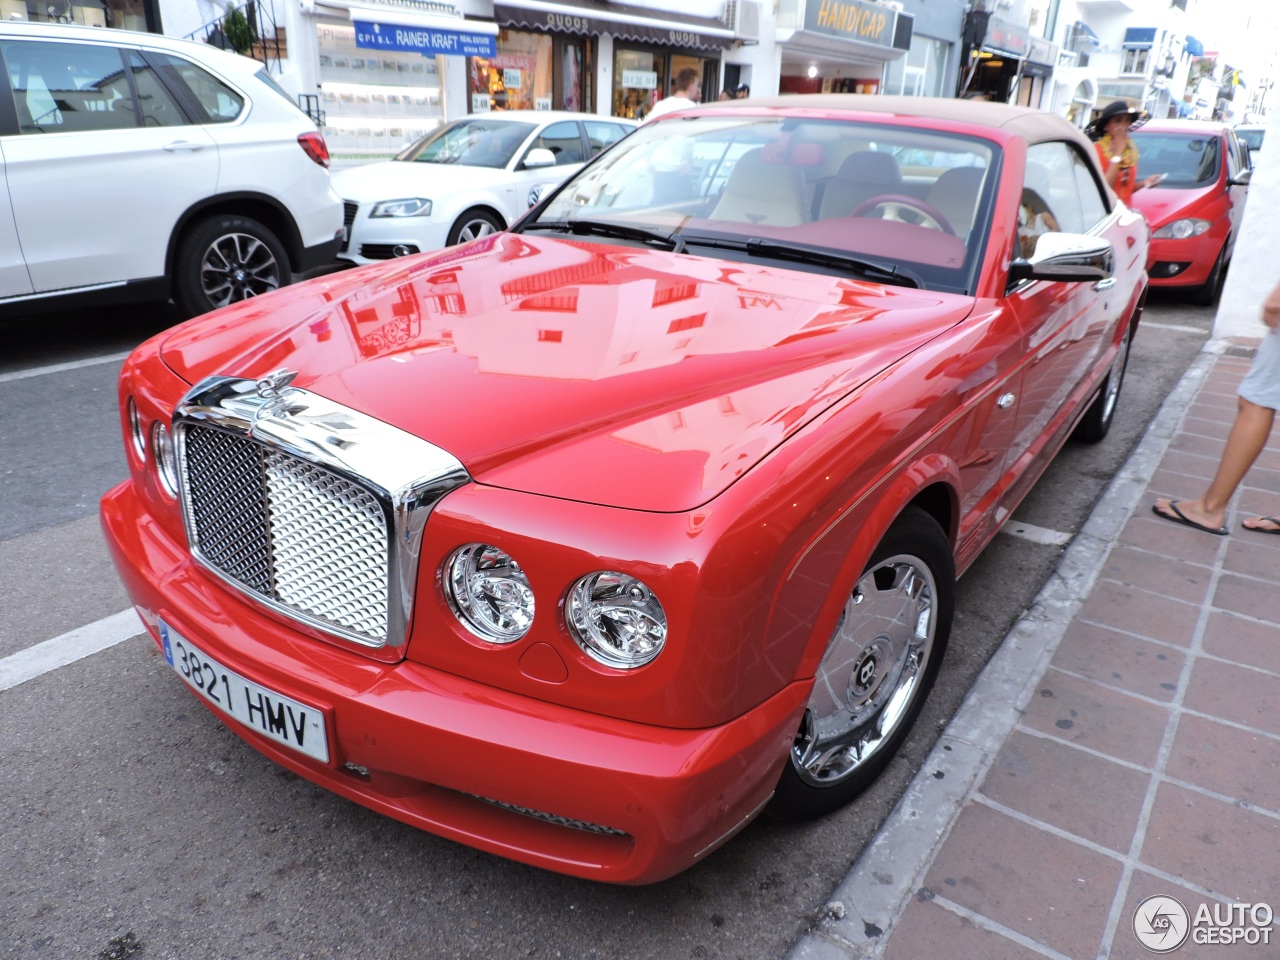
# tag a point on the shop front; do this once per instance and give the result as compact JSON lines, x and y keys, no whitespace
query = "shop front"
{"x":595,"y":57}
{"x":121,"y":14}
{"x":997,"y":56}
{"x":1035,"y":78}
{"x":839,"y":46}
{"x":386,"y":73}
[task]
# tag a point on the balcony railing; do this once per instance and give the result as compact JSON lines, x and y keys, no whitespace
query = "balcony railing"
{"x":268,"y":45}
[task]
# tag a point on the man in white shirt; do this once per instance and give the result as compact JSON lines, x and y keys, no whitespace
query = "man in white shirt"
{"x":687,"y":93}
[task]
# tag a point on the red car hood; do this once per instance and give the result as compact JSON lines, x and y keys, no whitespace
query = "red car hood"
{"x":620,"y":376}
{"x":1162,"y":204}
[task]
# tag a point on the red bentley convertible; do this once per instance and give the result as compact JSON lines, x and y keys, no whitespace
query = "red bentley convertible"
{"x":586,"y":542}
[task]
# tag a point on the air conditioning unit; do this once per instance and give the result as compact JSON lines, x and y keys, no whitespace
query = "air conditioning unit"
{"x":743,"y":18}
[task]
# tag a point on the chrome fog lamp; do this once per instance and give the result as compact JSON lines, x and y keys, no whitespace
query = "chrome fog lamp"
{"x":166,"y":458}
{"x":616,"y":619}
{"x":488,"y":593}
{"x":137,"y":436}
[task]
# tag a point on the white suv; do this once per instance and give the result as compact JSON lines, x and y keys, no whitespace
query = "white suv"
{"x":136,"y":167}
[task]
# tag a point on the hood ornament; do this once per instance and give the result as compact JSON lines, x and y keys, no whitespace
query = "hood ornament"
{"x":269,"y":387}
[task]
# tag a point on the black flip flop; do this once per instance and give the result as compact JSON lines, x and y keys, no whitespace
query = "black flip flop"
{"x":1180,"y":517}
{"x":1259,"y":529}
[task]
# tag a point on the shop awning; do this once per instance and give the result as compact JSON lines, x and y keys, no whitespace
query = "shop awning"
{"x":1139,"y":38}
{"x":637,"y":24}
{"x":1193,"y":46}
{"x":1085,"y":33}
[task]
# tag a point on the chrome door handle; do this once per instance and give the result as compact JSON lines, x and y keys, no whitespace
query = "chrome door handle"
{"x":183,"y":145}
{"x":1106,"y":284}
{"x":1005,"y":401}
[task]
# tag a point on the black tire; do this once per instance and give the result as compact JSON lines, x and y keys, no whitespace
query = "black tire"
{"x":1206,"y":295}
{"x":474,"y":223}
{"x":224,"y":259}
{"x":873,"y":680}
{"x":1096,"y":423}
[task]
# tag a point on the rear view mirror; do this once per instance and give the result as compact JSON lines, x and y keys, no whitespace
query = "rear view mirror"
{"x":1065,"y":257}
{"x":539,"y":157}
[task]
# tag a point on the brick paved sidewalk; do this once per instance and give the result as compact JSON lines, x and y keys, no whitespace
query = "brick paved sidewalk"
{"x":1143,"y":759}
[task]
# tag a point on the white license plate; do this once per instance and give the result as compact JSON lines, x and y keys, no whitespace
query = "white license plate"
{"x":283,"y":719}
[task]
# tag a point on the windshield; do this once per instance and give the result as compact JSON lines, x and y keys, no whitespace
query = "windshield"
{"x":474,"y":142}
{"x":1251,"y":138}
{"x":825,"y":195}
{"x":1189,"y":161}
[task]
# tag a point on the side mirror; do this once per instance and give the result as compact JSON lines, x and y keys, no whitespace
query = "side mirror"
{"x":537,"y":158}
{"x":1241,"y":179}
{"x":1066,"y":257}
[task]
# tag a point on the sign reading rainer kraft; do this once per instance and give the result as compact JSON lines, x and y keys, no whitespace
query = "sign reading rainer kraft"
{"x":851,"y":20}
{"x":458,"y":43}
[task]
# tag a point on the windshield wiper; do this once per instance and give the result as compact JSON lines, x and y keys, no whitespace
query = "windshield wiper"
{"x":602,"y":228}
{"x":804,"y":253}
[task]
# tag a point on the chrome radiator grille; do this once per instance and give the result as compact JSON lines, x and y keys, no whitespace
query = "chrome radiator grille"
{"x":296,"y":534}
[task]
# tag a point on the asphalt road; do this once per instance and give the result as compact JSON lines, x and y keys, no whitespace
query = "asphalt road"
{"x":135,"y":825}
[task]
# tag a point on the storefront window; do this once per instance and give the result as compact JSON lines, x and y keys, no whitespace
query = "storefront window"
{"x":517,"y":78}
{"x":637,"y":75}
{"x":123,"y":14}
{"x":572,"y":72}
{"x":643,"y":77}
{"x":920,"y":72}
{"x":532,"y":71}
{"x":374,"y":102}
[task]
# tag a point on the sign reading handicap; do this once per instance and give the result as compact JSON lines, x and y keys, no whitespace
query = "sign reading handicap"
{"x":390,"y":36}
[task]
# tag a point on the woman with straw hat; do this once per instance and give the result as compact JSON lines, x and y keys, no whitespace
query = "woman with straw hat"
{"x":1116,"y":149}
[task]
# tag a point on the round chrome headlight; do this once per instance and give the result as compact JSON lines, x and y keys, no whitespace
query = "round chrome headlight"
{"x":616,"y":619}
{"x":489,"y":593}
{"x":137,"y":436}
{"x":165,"y":457}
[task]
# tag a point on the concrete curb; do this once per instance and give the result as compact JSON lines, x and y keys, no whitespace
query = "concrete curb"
{"x":868,"y":902}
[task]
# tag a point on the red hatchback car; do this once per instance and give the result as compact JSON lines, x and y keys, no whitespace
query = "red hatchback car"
{"x":1195,"y":210}
{"x":586,"y":542}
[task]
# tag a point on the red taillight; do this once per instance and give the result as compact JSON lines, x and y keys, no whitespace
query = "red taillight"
{"x":315,"y":147}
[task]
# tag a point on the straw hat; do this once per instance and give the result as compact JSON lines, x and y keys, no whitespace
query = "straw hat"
{"x":1117,"y":108}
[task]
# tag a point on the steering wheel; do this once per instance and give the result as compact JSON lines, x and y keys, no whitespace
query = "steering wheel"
{"x":895,"y":203}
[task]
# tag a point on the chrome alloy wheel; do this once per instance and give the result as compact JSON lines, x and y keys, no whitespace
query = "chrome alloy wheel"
{"x":871,"y":672}
{"x":237,"y":266}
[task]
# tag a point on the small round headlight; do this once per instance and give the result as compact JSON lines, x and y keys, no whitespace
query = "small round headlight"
{"x":166,"y":458}
{"x":616,"y":619}
{"x":137,"y":437}
{"x":489,"y":593}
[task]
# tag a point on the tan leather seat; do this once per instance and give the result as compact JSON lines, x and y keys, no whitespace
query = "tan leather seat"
{"x":758,"y":192}
{"x":955,"y":196}
{"x":862,"y":175}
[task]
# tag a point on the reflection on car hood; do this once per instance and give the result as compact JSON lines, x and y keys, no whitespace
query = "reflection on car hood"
{"x":1162,"y":204}
{"x":621,"y":376}
{"x":394,"y":179}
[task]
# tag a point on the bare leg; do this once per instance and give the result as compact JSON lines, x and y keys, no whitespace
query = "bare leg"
{"x":1247,"y":438}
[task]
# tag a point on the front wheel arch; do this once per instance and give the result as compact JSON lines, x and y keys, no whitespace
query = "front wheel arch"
{"x":875,"y":674}
{"x":222,"y":259}
{"x":477,"y":213}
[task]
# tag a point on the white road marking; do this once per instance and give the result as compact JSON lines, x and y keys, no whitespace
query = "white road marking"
{"x":1175,"y":327}
{"x":79,"y":643}
{"x":60,"y":367}
{"x":1029,"y":531}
